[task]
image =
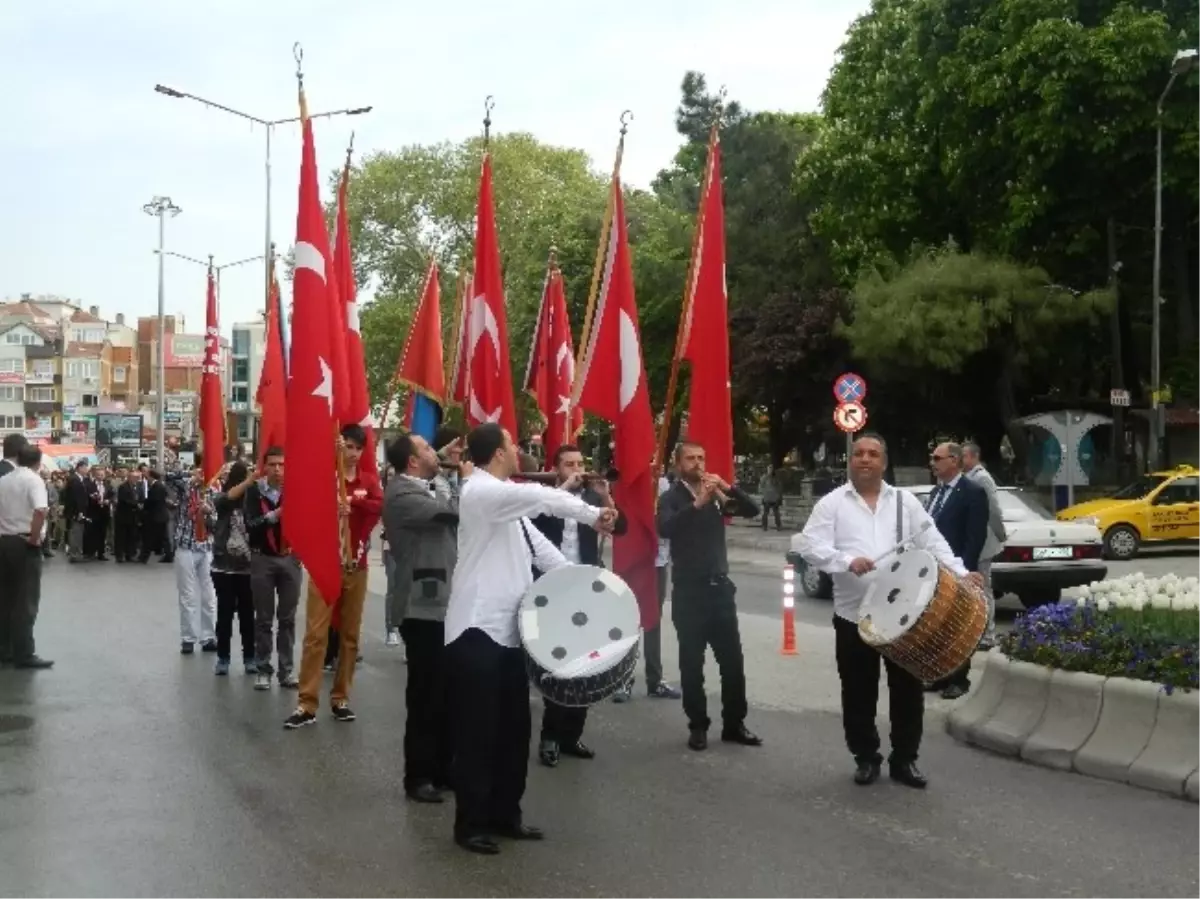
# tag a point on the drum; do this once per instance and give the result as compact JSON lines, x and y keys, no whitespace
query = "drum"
{"x":921,"y":616}
{"x":580,"y":627}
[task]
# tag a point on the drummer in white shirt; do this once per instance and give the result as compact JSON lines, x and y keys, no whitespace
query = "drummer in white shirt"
{"x":847,"y":529}
{"x":489,"y":686}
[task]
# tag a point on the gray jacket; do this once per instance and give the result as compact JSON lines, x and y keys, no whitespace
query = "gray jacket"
{"x":996,"y":532}
{"x":422,"y":534}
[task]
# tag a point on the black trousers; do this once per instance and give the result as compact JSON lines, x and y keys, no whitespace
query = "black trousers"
{"x":652,"y":638}
{"x":153,"y":533}
{"x":562,"y":724}
{"x":489,"y":699}
{"x":234,"y":596}
{"x":768,"y":507}
{"x":858,"y":668}
{"x":705,"y":614}
{"x":20,"y":596}
{"x":125,"y":537}
{"x":95,"y":535}
{"x":428,"y":744}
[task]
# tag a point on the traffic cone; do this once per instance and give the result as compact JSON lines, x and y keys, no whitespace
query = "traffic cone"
{"x":789,"y":612}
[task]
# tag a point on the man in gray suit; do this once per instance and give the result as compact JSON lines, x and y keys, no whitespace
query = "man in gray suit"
{"x":973,"y":469}
{"x":420,"y":518}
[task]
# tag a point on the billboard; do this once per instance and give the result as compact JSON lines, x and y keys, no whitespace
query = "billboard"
{"x":183,"y":350}
{"x":12,"y":377}
{"x":118,"y":430}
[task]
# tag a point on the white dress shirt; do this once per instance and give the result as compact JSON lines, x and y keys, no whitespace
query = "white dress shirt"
{"x":843,"y":528}
{"x":570,"y":541}
{"x":663,"y":559}
{"x":494,"y":564}
{"x":22,"y":493}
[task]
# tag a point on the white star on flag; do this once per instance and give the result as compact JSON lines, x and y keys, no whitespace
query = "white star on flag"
{"x":564,"y":405}
{"x":352,"y":318}
{"x":325,"y":388}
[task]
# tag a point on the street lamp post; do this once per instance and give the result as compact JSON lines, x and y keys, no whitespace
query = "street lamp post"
{"x":268,"y":124}
{"x":160,"y":207}
{"x":1184,"y":61}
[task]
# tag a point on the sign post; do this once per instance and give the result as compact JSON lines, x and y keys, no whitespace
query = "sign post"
{"x":850,"y":416}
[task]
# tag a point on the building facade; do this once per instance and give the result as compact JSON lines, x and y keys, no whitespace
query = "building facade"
{"x":247,"y":351}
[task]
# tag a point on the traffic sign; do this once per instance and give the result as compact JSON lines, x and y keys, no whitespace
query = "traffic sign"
{"x":1118,"y":397}
{"x":850,"y":417}
{"x":850,"y":388}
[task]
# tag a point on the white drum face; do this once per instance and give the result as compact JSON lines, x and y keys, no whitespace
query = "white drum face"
{"x":902,"y":588}
{"x":571,"y":617}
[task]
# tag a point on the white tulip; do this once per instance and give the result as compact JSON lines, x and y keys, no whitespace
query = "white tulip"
{"x":1102,"y":605}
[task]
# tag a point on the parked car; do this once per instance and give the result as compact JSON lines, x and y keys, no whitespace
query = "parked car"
{"x":1040,"y":558}
{"x":1160,"y":508}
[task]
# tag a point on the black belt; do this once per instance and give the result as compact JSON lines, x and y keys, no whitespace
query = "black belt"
{"x":22,"y":536}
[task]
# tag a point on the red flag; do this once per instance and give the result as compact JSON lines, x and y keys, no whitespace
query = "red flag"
{"x":272,"y":382}
{"x":612,"y":385}
{"x":212,"y":409}
{"x":421,"y":364}
{"x":705,"y":340}
{"x":358,"y":407}
{"x":310,"y":511}
{"x":488,"y":374}
{"x":551,"y":372}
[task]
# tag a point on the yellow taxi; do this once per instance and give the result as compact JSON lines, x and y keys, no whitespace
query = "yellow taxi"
{"x":1159,"y":508}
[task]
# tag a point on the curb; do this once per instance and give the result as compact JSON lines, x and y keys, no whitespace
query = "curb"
{"x":1169,"y":759}
{"x":982,"y":702}
{"x":1072,"y":711}
{"x":1127,"y":714}
{"x":1026,"y":693}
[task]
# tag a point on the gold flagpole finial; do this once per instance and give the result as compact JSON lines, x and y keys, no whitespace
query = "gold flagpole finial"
{"x":553,"y":262}
{"x":298,"y":55}
{"x":350,"y":149}
{"x":489,"y":104}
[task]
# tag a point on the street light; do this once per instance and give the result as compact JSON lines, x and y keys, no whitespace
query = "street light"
{"x":160,"y":207}
{"x":1184,"y":62}
{"x":268,"y":124}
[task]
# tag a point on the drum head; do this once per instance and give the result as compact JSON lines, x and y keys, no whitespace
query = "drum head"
{"x":902,"y":587}
{"x":579,"y":620}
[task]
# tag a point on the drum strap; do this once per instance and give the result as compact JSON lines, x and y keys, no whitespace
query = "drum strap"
{"x":899,"y":516}
{"x":537,"y":572}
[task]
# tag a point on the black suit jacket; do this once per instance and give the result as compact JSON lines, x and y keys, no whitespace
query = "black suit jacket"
{"x":589,"y":539}
{"x":963,"y":521}
{"x":6,"y":467}
{"x":76,"y":500}
{"x":127,"y":501}
{"x":156,"y":503}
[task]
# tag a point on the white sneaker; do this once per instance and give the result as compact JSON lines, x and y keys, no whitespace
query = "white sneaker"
{"x":393,"y":637}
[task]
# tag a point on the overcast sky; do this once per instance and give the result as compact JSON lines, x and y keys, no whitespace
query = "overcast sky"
{"x":86,"y":141}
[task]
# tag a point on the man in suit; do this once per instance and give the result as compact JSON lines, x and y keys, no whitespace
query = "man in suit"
{"x":562,"y":727}
{"x":75,"y":510}
{"x":973,"y":469}
{"x":125,"y":517}
{"x":154,"y":519}
{"x":959,"y":509}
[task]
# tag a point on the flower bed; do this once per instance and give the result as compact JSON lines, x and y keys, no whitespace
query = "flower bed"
{"x":1136,"y":627}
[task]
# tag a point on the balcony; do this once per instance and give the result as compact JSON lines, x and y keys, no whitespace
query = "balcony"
{"x":42,"y":409}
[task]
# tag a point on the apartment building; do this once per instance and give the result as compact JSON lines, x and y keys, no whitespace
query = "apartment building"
{"x":247,"y":351}
{"x":31,"y":379}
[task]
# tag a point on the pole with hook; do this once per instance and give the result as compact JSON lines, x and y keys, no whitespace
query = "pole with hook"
{"x":489,"y":104}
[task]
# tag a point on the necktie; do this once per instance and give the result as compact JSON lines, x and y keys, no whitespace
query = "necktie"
{"x":939,"y":500}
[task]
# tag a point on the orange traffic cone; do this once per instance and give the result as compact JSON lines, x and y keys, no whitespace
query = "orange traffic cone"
{"x":789,"y":612}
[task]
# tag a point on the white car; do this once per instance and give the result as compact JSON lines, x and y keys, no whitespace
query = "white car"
{"x":1040,"y":558}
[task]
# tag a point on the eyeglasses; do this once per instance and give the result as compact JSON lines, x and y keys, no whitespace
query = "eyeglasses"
{"x":938,"y":458}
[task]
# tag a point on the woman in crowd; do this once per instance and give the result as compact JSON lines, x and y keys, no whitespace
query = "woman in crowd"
{"x":231,"y":568}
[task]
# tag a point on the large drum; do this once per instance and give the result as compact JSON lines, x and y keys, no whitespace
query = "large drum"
{"x":580,"y":626}
{"x":922,"y":617}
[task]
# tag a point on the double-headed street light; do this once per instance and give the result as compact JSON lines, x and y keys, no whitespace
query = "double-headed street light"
{"x":268,"y":124}
{"x":1184,"y":62}
{"x":162,"y":207}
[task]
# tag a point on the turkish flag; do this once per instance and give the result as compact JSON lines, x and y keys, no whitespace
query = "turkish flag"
{"x":706,"y":322}
{"x":358,"y":402}
{"x":551,"y":372}
{"x":272,"y":381}
{"x":310,"y":512}
{"x":488,"y":393}
{"x":613,"y":386}
{"x":212,"y":408}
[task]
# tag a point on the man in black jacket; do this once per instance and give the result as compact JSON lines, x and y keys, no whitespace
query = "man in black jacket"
{"x":959,"y":508}
{"x":692,"y":516}
{"x":562,"y":726}
{"x":75,"y":510}
{"x":155,"y":516}
{"x":96,"y":533}
{"x":125,"y":517}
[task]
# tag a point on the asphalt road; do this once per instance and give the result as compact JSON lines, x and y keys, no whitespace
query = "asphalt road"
{"x":131,"y":770}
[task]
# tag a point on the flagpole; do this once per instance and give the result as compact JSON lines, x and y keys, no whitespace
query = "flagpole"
{"x":452,"y":362}
{"x":686,"y":307}
{"x":551,"y":268}
{"x":597,"y":269}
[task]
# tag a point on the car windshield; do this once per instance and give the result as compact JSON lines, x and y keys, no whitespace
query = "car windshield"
{"x":1140,"y":488}
{"x":1020,"y":505}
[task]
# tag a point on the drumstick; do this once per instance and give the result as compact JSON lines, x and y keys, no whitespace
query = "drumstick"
{"x":903,"y":543}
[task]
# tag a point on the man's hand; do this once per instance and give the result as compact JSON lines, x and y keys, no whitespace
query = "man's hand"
{"x":272,"y":516}
{"x":453,"y":450}
{"x":704,"y":493}
{"x":572,"y":483}
{"x":607,"y":521}
{"x":975,"y":578}
{"x":466,"y":469}
{"x":861,"y":566}
{"x":344,"y":508}
{"x":600,"y":488}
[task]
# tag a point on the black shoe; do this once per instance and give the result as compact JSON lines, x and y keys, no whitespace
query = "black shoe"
{"x":954,"y":691}
{"x":167,"y":560}
{"x":908,"y":774}
{"x":519,"y":832}
{"x":866,"y":773}
{"x":187,"y":648}
{"x":343,"y":713}
{"x":740,"y":736}
{"x":33,"y":662}
{"x":579,"y":749}
{"x":298,"y":719}
{"x":548,"y":753}
{"x":698,"y":740}
{"x":426,"y":793}
{"x":101,"y":558}
{"x":208,"y":646}
{"x":480,"y":845}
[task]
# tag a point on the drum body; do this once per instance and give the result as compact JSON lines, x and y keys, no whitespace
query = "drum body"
{"x":921,"y":616}
{"x":580,"y":627}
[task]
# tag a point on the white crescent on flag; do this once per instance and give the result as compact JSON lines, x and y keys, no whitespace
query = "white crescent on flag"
{"x":631,"y":360}
{"x":483,"y":321}
{"x":309,"y":257}
{"x":352,"y":318}
{"x":564,"y":355}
